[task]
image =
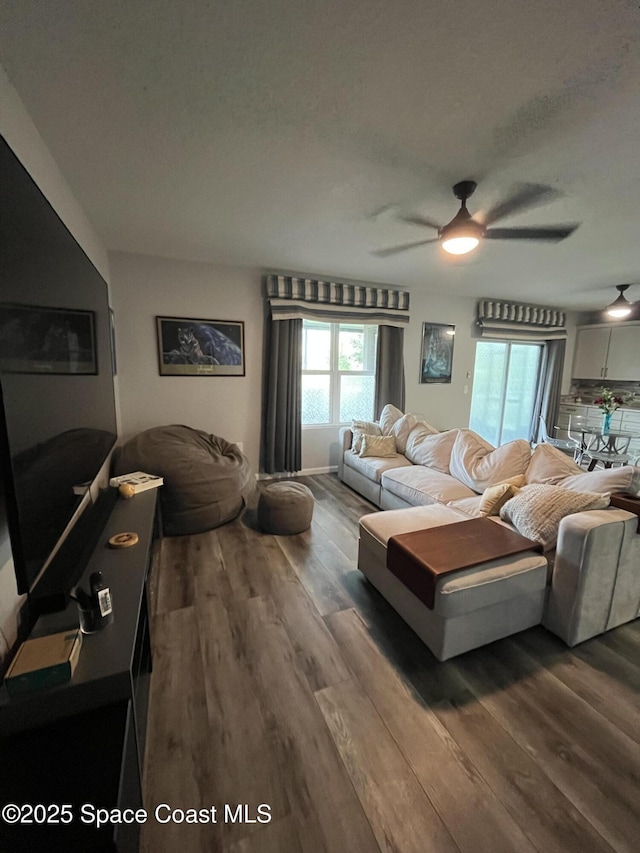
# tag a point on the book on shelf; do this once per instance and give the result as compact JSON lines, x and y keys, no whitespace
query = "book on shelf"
{"x":43,"y":662}
{"x":138,"y":480}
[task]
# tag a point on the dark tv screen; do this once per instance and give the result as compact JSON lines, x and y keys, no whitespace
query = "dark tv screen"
{"x":57,"y":412}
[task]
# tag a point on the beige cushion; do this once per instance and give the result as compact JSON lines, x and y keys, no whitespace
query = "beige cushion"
{"x":537,"y":510}
{"x":479,"y":464}
{"x":433,"y":450}
{"x":550,"y":465}
{"x":625,"y":479}
{"x":388,"y":416}
{"x":420,"y":486}
{"x":378,"y":445}
{"x":495,"y":497}
{"x":373,"y":467}
{"x":403,"y":427}
{"x":359,"y":428}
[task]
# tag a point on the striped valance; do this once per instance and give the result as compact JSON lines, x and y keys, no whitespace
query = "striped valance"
{"x":332,"y":301}
{"x":519,"y":321}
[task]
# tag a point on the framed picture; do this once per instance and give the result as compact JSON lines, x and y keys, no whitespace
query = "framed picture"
{"x":34,"y":339}
{"x":436,"y":359}
{"x":188,"y":347}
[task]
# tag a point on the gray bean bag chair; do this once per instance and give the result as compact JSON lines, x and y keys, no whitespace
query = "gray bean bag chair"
{"x":206,"y":479}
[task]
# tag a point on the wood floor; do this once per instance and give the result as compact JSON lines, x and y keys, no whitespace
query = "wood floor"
{"x":281,"y":677}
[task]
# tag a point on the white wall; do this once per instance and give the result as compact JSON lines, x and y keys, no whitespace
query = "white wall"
{"x":444,"y":406}
{"x":144,"y":287}
{"x":22,"y":135}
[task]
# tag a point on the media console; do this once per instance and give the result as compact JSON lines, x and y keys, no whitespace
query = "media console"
{"x":83,"y":743}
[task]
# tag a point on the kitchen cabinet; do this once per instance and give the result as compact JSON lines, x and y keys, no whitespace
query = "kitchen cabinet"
{"x":608,"y":352}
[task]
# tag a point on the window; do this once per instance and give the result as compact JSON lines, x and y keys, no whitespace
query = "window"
{"x":338,"y":372}
{"x":505,"y":385}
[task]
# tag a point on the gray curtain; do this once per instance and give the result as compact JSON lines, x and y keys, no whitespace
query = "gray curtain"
{"x":549,"y":387}
{"x":281,"y":432}
{"x":389,"y":368}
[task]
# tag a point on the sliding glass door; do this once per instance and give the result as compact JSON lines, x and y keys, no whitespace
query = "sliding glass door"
{"x":505,"y":386}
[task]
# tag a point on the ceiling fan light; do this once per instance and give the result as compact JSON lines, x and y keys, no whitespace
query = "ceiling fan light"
{"x":618,"y":311}
{"x":459,"y":245}
{"x":620,"y":307}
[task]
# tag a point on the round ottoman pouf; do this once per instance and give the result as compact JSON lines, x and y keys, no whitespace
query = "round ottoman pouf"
{"x":285,"y":508}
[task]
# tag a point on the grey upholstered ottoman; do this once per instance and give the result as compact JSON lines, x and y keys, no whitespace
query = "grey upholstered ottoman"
{"x":472,"y":607}
{"x":285,"y":508}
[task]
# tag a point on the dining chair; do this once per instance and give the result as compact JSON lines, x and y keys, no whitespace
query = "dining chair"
{"x":581,"y":439}
{"x":566,"y":445}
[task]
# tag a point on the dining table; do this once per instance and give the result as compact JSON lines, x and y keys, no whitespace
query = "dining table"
{"x":607,"y":447}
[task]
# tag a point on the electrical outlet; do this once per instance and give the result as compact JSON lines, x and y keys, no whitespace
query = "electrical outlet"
{"x":465,"y":390}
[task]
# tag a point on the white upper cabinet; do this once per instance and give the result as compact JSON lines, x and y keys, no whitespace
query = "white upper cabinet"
{"x":608,"y":352}
{"x":623,"y":358}
{"x":590,"y":357}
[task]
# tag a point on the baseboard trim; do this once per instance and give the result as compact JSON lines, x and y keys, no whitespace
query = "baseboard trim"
{"x":306,"y":472}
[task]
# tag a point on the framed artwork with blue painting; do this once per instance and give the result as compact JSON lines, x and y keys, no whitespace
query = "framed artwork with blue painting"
{"x":188,"y":347}
{"x":436,"y":356}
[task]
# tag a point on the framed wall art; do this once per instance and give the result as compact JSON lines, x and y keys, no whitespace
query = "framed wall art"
{"x":35,"y":339}
{"x":188,"y":347}
{"x":436,"y":358}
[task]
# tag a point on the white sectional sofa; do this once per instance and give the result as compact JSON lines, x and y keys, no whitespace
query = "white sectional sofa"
{"x":588,"y":581}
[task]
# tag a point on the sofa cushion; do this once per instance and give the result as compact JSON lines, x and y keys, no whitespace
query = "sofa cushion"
{"x":478,"y":464}
{"x":429,"y":448}
{"x":373,"y":467}
{"x":625,"y":479}
{"x":421,"y":486}
{"x":378,"y":445}
{"x":550,"y":465}
{"x":537,"y":510}
{"x":359,"y":428}
{"x":495,"y":497}
{"x":403,"y":427}
{"x":470,"y":506}
{"x":388,"y":416}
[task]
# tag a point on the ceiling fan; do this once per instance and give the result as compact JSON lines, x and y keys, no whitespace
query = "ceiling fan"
{"x":463,"y":233}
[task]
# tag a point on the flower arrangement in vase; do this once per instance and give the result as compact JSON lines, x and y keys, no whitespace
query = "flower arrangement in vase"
{"x":608,"y":402}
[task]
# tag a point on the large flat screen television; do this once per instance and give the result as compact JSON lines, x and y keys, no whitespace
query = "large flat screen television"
{"x":57,"y":408}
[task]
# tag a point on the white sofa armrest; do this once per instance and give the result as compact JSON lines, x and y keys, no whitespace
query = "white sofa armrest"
{"x":595,"y":584}
{"x":344,"y":444}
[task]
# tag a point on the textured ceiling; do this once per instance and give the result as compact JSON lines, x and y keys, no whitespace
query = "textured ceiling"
{"x":289,"y":134}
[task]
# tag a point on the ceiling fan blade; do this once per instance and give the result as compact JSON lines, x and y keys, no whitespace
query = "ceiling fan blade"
{"x":418,"y":219}
{"x":394,"y":250}
{"x":553,"y":234}
{"x":521,"y":199}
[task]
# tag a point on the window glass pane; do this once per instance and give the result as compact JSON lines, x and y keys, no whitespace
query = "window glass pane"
{"x":316,"y":398}
{"x":357,"y":347}
{"x":488,"y":388}
{"x":356,"y":397}
{"x":316,"y":345}
{"x":521,"y":391}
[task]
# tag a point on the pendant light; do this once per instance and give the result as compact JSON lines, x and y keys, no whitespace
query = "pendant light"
{"x":620,"y":307}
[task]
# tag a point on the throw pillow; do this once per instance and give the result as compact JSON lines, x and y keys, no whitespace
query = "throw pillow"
{"x":358,"y":428}
{"x":537,"y":510}
{"x":401,"y":429}
{"x":433,"y":450}
{"x":478,"y":464}
{"x":495,"y":497}
{"x":388,"y":416}
{"x":625,"y":479}
{"x":378,"y":445}
{"x":550,"y":465}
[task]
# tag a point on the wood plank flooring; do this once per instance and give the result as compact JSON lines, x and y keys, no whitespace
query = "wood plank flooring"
{"x":281,"y":677}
